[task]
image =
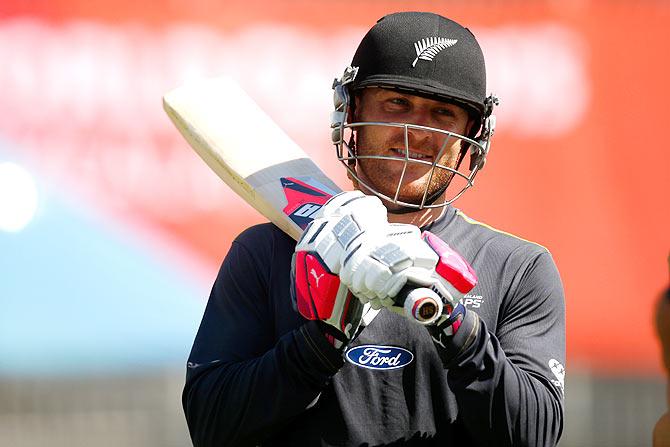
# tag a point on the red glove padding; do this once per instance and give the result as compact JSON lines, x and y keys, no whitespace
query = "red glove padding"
{"x":451,"y":265}
{"x":457,"y":279}
{"x":318,"y":295}
{"x":315,"y":286}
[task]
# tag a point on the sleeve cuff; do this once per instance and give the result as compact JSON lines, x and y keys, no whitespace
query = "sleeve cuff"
{"x":464,"y":338}
{"x":318,"y":347}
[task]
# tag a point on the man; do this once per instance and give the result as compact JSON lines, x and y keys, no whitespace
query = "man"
{"x":357,"y":365}
{"x":661,"y":433}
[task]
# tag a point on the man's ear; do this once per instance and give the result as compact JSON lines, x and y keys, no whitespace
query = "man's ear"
{"x":354,"y":107}
{"x":468,"y":127}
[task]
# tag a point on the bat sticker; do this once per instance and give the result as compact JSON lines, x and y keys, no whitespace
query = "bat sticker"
{"x":305,"y":197}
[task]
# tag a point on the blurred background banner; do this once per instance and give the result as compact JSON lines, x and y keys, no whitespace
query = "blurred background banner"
{"x":112,"y":230}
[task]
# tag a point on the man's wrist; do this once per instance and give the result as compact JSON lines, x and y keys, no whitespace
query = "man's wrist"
{"x":458,"y":336}
{"x":450,"y":325}
{"x":335,"y":337}
{"x":323,"y":350}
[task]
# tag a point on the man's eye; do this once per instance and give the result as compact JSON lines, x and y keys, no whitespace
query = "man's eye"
{"x":399,"y":101}
{"x":445,"y":112}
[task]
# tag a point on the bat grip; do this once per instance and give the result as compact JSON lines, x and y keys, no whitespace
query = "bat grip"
{"x":421,"y":304}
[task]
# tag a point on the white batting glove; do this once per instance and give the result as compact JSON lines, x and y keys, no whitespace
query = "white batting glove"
{"x":344,"y":218}
{"x":376,"y":268}
{"x":382,"y":270}
{"x":316,"y":290}
{"x":352,"y":226}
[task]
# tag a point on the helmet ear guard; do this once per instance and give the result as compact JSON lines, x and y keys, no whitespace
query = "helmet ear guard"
{"x":477,"y":154}
{"x":341,"y":102}
{"x":339,"y":115}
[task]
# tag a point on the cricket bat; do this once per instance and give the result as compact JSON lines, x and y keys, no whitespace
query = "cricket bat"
{"x":250,"y":152}
{"x":260,"y":163}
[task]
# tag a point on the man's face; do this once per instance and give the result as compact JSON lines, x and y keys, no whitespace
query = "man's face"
{"x":383,"y":105}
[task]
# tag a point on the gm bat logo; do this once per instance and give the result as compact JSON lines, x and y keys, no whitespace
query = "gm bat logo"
{"x":307,"y":210}
{"x":304,"y":199}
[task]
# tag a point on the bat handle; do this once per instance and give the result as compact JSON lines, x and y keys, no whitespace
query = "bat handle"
{"x":421,"y":303}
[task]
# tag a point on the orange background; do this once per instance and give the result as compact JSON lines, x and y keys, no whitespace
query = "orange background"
{"x":597,"y":195}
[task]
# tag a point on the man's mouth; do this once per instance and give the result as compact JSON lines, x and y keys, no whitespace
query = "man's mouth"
{"x":413,"y":155}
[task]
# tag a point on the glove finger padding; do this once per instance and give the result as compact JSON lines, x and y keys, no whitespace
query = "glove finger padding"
{"x":394,"y":285}
{"x":369,"y":277}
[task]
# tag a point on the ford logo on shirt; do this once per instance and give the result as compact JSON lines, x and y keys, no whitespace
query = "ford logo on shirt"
{"x":379,"y":357}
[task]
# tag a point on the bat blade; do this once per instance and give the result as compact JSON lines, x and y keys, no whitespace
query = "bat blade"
{"x":249,"y":152}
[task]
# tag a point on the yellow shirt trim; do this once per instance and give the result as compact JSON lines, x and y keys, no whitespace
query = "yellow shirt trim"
{"x":472,"y":221}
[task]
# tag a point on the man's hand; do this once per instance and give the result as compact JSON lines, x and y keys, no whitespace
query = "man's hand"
{"x":383,"y":272}
{"x":350,"y":245}
{"x":377,"y":267}
{"x":315,"y":286}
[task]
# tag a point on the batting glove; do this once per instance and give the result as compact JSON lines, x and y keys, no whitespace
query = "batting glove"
{"x":405,"y":268}
{"x":454,"y":278}
{"x":316,"y":290}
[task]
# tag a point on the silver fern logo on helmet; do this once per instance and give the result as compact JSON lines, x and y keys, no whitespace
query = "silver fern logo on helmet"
{"x":428,"y":48}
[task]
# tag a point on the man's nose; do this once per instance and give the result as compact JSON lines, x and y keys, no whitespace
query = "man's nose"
{"x":418,"y":136}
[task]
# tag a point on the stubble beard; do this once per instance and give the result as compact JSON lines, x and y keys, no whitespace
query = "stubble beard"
{"x":384,"y":175}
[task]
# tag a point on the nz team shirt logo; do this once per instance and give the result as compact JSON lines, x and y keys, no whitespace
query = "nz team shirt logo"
{"x":559,"y":372}
{"x":379,"y":357}
{"x":472,"y":301}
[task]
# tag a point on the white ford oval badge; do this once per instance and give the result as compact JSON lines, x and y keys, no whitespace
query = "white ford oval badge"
{"x":379,"y":357}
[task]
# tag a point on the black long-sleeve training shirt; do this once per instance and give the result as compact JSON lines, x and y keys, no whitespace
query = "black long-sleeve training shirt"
{"x":260,"y":374}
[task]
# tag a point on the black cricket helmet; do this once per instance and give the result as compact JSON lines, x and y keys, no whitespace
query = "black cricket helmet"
{"x":427,"y":55}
